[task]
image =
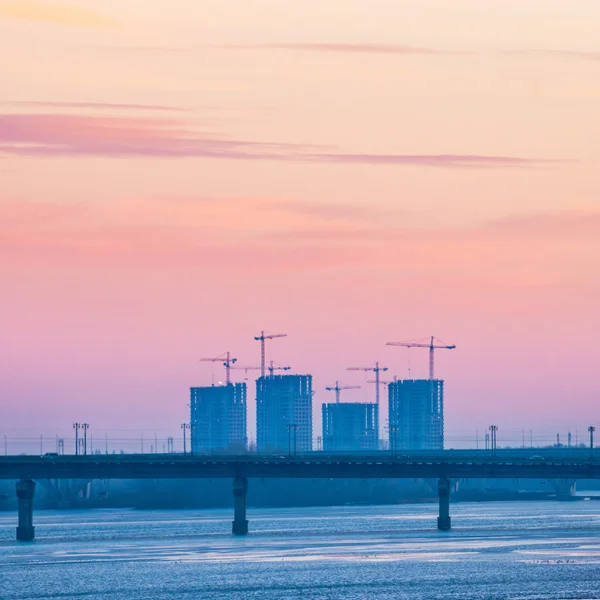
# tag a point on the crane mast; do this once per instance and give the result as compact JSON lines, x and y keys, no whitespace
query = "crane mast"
{"x":337,"y":389}
{"x":377,"y":370}
{"x":261,"y":338}
{"x":228,"y":363}
{"x":432,"y":346}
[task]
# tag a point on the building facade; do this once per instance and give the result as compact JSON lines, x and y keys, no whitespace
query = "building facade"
{"x":350,"y":427}
{"x":218,"y":418}
{"x":284,"y":413}
{"x":416,"y":414}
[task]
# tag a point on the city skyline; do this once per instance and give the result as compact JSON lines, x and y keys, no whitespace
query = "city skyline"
{"x":172,"y":181}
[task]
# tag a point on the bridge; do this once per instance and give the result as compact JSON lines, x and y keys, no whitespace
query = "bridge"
{"x":444,"y":466}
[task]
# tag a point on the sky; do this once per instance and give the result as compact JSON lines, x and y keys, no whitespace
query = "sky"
{"x":176,"y":177}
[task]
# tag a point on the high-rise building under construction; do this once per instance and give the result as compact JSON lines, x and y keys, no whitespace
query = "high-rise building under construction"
{"x":218,"y":418}
{"x":350,"y":427}
{"x":284,"y":413}
{"x":416,"y":414}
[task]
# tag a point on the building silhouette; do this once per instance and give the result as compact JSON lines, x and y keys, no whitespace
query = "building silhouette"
{"x":416,"y":414}
{"x":350,"y":426}
{"x":218,"y":418}
{"x":284,"y":413}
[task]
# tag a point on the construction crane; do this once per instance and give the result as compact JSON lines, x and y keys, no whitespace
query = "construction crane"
{"x":272,"y":368}
{"x":377,"y":369}
{"x":261,"y":338}
{"x":227,"y":361}
{"x":384,"y":381}
{"x":245,"y":368}
{"x":337,"y":389}
{"x":421,"y":344}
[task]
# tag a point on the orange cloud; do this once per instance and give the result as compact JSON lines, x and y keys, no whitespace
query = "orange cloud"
{"x":53,"y":13}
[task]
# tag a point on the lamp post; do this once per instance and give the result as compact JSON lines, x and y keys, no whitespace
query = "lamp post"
{"x":494,"y":430}
{"x":184,"y":426}
{"x":76,"y":427}
{"x":591,"y":429}
{"x":85,"y":427}
{"x":394,"y":438}
{"x":291,"y":427}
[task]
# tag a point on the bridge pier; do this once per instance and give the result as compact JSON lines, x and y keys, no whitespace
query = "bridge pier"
{"x":240,"y":523}
{"x":25,"y":493}
{"x":444,"y":521}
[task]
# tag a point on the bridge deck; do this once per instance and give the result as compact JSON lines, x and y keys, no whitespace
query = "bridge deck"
{"x":447,"y":464}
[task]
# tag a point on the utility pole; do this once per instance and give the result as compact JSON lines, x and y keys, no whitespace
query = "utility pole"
{"x":591,"y":429}
{"x":85,"y":427}
{"x":76,"y":427}
{"x":184,"y":426}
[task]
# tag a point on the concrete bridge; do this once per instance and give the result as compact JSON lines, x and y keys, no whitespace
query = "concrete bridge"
{"x":444,"y":466}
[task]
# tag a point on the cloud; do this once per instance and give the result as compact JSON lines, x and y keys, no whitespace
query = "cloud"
{"x":364,"y":48}
{"x":557,"y":225}
{"x":428,"y":160}
{"x":78,"y":135}
{"x":400,"y":49}
{"x":263,"y":234}
{"x":54,"y":13}
{"x":96,"y":105}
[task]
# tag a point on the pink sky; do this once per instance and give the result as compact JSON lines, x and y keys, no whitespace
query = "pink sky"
{"x":174,"y":181}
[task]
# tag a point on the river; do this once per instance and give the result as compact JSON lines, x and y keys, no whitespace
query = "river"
{"x":510,"y":550}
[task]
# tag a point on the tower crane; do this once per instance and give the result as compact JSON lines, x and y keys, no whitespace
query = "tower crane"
{"x":384,"y":381}
{"x":272,"y":368}
{"x":421,"y":344}
{"x":261,"y":338}
{"x":377,"y":369}
{"x":337,"y":389}
{"x":245,"y":368}
{"x":227,"y":363}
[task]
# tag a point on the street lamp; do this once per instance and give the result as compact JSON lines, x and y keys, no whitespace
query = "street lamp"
{"x":494,"y":430}
{"x":291,"y":427}
{"x":85,"y":427}
{"x":393,"y":438}
{"x":184,"y":426}
{"x":591,"y":429}
{"x":76,"y":427}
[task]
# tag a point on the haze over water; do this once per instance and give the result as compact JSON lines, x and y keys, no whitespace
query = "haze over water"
{"x":520,"y":551}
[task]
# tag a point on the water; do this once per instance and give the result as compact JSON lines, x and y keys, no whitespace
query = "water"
{"x":517,"y":551}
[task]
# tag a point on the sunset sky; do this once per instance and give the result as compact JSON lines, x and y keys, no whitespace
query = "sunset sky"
{"x":176,"y":176}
